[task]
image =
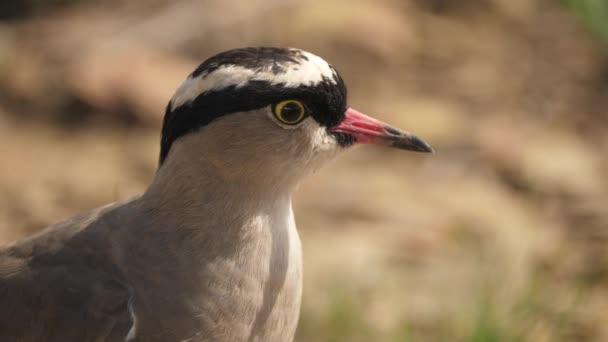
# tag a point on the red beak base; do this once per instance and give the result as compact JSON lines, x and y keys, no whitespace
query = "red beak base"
{"x":367,"y":130}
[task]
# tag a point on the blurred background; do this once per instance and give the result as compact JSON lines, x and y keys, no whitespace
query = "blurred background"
{"x":500,"y":236}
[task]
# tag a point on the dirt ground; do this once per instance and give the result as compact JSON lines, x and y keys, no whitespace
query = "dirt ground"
{"x":502,"y":235}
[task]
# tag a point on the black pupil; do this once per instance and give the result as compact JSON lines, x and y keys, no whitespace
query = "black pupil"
{"x":291,"y":112}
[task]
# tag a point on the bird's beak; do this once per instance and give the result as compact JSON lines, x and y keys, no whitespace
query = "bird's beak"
{"x":367,"y":130}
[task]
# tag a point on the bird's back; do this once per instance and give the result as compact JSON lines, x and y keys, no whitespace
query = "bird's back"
{"x":61,"y":285}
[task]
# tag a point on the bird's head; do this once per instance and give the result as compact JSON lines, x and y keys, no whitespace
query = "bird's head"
{"x":271,"y":114}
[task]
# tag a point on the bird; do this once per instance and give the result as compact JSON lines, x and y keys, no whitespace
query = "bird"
{"x":209,"y":251}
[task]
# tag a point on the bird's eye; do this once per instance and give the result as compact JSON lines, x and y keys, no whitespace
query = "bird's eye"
{"x":289,"y":112}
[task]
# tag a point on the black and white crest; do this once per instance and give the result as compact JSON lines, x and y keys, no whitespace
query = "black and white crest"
{"x":247,"y":79}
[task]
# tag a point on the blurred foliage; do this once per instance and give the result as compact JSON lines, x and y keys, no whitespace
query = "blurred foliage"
{"x":533,"y":315}
{"x":594,"y":14}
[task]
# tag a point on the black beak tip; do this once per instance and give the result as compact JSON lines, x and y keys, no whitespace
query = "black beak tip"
{"x":423,"y":146}
{"x":414,"y":143}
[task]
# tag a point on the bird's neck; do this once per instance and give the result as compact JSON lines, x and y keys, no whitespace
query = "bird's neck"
{"x":193,"y":190}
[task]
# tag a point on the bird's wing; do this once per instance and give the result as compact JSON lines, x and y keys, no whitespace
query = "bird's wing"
{"x":61,"y":285}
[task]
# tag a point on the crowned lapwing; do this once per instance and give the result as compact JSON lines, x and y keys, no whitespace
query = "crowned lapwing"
{"x":210,"y":251}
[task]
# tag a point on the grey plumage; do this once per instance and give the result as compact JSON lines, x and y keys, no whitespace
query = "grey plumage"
{"x":62,"y":285}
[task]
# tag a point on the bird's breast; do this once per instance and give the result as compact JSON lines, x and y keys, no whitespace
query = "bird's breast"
{"x":258,"y":291}
{"x":236,"y":278}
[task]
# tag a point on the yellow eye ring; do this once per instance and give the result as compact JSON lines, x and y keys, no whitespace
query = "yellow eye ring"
{"x":289,"y":112}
